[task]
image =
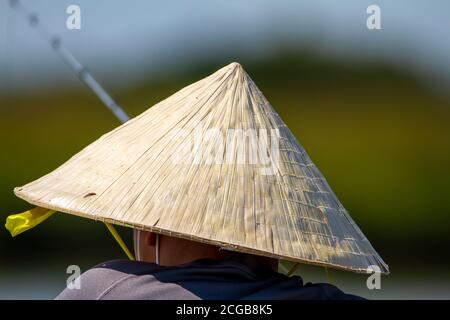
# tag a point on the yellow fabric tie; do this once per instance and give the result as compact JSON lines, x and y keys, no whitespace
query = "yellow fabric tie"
{"x":21,"y":222}
{"x":119,"y":240}
{"x":18,"y":223}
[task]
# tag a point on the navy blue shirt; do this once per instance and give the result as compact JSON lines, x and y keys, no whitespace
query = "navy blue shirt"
{"x":237,"y":277}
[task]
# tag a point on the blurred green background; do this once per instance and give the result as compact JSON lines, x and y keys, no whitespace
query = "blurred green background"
{"x":379,"y":133}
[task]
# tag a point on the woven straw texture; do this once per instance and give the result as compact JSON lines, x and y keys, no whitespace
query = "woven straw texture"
{"x":129,"y":177}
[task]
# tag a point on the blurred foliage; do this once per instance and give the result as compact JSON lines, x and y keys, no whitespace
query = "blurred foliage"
{"x":380,"y":138}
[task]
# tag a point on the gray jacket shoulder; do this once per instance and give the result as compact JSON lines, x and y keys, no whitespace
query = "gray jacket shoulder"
{"x":95,"y":283}
{"x":120,"y":280}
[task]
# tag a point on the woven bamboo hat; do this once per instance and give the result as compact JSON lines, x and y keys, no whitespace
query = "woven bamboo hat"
{"x":151,"y":173}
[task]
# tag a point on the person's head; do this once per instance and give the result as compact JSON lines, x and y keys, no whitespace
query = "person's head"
{"x":171,"y":251}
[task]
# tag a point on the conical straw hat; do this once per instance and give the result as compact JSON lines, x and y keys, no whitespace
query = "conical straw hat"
{"x":175,"y":170}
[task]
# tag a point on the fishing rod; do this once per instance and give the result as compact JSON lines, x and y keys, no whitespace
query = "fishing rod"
{"x":86,"y":77}
{"x":80,"y":71}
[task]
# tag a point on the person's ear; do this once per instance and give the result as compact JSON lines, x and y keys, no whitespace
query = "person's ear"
{"x":150,"y":239}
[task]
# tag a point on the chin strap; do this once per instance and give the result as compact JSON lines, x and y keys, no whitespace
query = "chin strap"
{"x":119,"y":240}
{"x":137,"y":245}
{"x":157,"y":249}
